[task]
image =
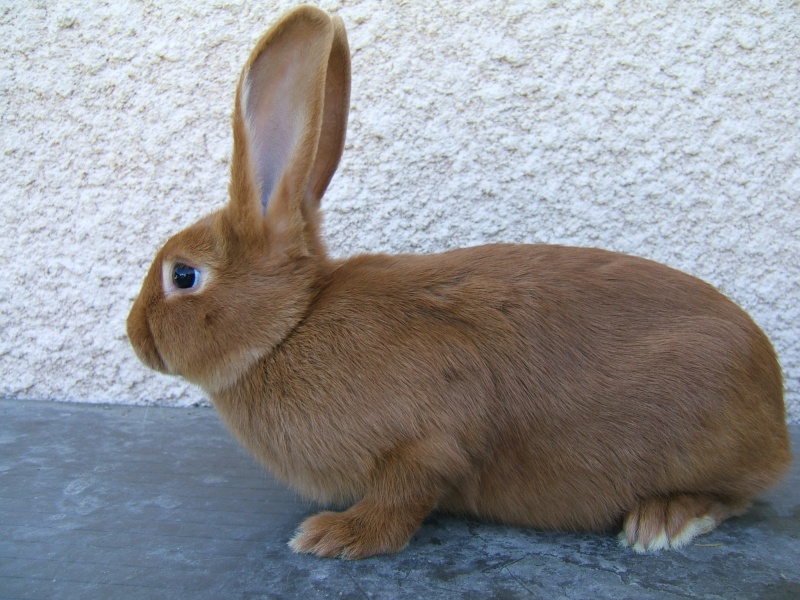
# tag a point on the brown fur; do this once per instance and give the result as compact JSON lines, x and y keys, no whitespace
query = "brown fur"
{"x":546,"y":386}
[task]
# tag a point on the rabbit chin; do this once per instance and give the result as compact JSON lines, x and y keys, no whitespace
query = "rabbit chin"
{"x":214,"y":378}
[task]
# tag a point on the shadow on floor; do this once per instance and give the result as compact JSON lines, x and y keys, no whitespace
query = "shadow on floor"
{"x":134,"y":502}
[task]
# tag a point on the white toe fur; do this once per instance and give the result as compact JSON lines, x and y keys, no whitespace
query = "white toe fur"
{"x":692,"y":529}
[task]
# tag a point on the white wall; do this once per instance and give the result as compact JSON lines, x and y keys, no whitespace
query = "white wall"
{"x":669,"y":132}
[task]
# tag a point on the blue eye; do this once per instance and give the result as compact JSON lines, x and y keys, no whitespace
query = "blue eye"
{"x":185,"y":277}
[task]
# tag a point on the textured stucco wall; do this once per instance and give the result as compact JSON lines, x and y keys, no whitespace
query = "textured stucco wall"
{"x":668,"y":130}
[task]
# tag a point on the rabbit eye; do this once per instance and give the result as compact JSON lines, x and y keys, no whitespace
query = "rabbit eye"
{"x":184,"y":277}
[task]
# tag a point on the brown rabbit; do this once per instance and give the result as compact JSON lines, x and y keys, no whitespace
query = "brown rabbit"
{"x":545,"y":386}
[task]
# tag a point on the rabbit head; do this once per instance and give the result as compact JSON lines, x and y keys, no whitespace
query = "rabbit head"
{"x":225,"y":290}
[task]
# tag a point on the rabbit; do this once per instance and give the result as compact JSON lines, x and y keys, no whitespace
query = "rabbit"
{"x":542,"y":386}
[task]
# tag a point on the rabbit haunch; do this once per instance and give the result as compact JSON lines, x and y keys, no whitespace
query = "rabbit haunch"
{"x":545,"y":386}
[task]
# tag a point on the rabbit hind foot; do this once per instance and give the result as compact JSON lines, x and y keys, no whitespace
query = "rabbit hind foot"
{"x":673,"y":522}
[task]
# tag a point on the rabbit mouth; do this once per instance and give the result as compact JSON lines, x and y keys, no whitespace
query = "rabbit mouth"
{"x":148,"y":353}
{"x":144,"y":344}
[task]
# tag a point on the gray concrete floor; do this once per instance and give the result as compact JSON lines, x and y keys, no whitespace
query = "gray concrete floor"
{"x":133,"y":502}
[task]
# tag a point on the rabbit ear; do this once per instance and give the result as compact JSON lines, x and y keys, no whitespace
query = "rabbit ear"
{"x":334,"y":120}
{"x":282,"y":162}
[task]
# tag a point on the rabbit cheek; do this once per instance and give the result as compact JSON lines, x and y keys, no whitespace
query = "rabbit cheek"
{"x":182,"y":341}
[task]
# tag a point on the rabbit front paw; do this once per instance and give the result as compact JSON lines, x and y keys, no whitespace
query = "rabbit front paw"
{"x":351,"y":534}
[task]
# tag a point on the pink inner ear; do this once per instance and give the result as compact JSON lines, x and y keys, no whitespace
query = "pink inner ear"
{"x":273,"y":125}
{"x":281,"y":104}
